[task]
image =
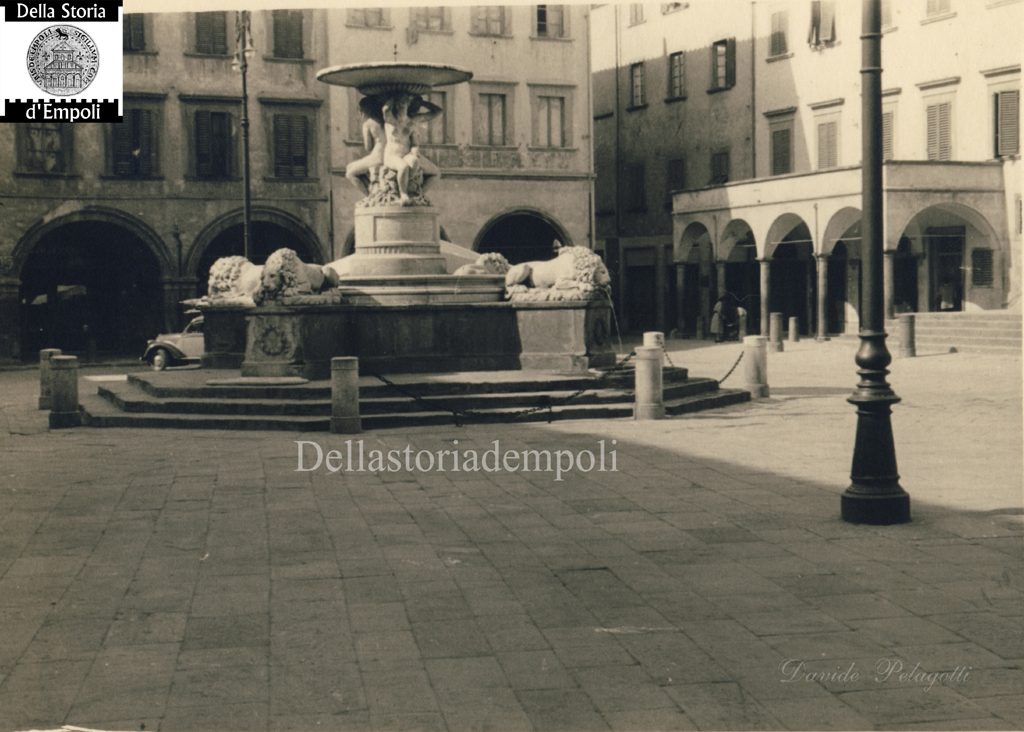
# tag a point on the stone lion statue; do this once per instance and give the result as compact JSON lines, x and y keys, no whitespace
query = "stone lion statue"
{"x":285,"y":275}
{"x":233,"y":281}
{"x":490,"y":263}
{"x":576,"y":273}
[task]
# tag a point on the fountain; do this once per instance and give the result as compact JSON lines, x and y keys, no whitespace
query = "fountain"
{"x":393,"y":302}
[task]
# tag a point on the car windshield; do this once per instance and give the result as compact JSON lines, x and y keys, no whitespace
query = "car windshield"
{"x":196,"y":326}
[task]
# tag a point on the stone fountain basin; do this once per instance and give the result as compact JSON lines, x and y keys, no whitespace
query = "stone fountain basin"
{"x":388,"y":77}
{"x":422,"y":289}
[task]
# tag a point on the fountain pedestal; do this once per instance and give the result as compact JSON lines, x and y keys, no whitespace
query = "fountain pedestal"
{"x":396,"y":240}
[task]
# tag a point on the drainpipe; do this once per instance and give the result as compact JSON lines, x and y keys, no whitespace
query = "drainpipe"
{"x":753,"y":89}
{"x":618,"y":164}
{"x":591,"y":198}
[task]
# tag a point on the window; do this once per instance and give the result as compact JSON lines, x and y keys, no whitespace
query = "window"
{"x":636,"y":13}
{"x":489,"y":20}
{"x":782,"y":149}
{"x":369,"y":17}
{"x":723,"y":64}
{"x":637,"y":90}
{"x":291,"y":146}
{"x":213,"y":144}
{"x":981,"y":268}
{"x":44,"y":147}
{"x":823,"y":24}
{"x":429,"y":19}
{"x":888,"y":146}
{"x":287,"y":33}
{"x":780,"y":26}
{"x":936,"y":7}
{"x":940,"y":145}
{"x":437,"y":128}
{"x":676,"y":76}
{"x":720,"y":167}
{"x":550,"y":122}
{"x":1007,"y":123}
{"x":550,"y":21}
{"x":636,"y":195}
{"x":675,"y":179}
{"x":828,"y":144}
{"x":134,"y":33}
{"x":211,"y":33}
{"x":134,"y":144}
{"x":489,"y":125}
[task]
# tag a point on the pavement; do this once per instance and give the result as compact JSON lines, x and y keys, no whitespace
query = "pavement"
{"x":194,"y":580}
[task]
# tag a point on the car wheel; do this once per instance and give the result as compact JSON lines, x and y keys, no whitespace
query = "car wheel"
{"x":160,"y":359}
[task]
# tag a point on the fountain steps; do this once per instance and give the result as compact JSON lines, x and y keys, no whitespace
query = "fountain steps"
{"x":144,"y":402}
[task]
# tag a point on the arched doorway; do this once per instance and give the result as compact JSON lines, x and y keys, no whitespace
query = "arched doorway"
{"x":521,"y":236}
{"x":90,"y":287}
{"x":792,"y":287}
{"x":267,"y":236}
{"x":742,"y":273}
{"x":694,"y":255}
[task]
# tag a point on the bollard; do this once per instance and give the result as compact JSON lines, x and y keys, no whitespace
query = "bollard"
{"x":345,"y":395}
{"x":908,"y":346}
{"x":654,"y":339}
{"x":650,"y":397}
{"x":45,"y":379}
{"x":64,"y":410}
{"x":755,"y":366}
{"x":794,"y":329}
{"x":775,"y":332}
{"x":743,"y":323}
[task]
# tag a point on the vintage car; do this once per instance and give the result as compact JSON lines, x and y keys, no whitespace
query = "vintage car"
{"x":174,"y":349}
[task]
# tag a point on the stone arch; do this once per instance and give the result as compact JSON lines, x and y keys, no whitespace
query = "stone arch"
{"x":838,"y":226}
{"x":306,"y":236}
{"x":737,"y":236}
{"x":533,"y":222}
{"x":695,"y":244}
{"x":782,"y":228}
{"x":90,"y":214}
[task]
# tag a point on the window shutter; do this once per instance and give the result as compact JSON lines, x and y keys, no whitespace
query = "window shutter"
{"x":939,"y":132}
{"x":204,"y":162}
{"x":282,"y":137}
{"x":299,"y":143}
{"x":203,"y":33}
{"x":134,"y":38}
{"x":479,"y":19}
{"x":220,"y":144}
{"x":887,"y":139}
{"x":288,"y":33}
{"x":730,"y":62}
{"x":1008,"y":123}
{"x":780,"y":151}
{"x":779,"y":28}
{"x":827,"y":143}
{"x":814,"y":33}
{"x":121,"y":141}
{"x":828,"y":21}
{"x":147,"y":143}
{"x":220,"y":33}
{"x":981,"y":268}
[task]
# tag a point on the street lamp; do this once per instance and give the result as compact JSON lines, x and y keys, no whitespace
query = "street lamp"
{"x":243,"y":51}
{"x":874,"y":495}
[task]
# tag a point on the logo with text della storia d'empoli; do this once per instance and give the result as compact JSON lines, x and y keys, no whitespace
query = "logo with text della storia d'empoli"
{"x":63,"y":60}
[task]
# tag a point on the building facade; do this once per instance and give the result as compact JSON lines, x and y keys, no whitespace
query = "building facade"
{"x":746,"y":143}
{"x":106,"y":228}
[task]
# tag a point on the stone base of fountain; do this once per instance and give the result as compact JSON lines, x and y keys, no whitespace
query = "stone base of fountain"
{"x":300,"y":340}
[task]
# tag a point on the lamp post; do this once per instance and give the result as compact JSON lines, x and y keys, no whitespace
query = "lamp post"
{"x":243,"y":50}
{"x":874,"y":495}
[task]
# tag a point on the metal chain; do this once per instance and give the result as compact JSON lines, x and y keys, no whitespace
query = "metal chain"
{"x":547,"y":403}
{"x":735,"y":364}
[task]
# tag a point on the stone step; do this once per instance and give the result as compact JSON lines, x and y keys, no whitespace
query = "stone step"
{"x":127,"y":397}
{"x":191,"y":384}
{"x":99,"y":412}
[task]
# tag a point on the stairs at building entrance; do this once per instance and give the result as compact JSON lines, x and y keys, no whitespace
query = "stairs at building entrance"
{"x":974,"y":332}
{"x":185,"y":399}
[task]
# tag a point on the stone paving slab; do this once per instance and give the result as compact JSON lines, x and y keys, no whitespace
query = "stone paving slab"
{"x":188,"y":581}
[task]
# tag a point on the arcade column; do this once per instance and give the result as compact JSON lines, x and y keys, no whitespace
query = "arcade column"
{"x":176,"y":289}
{"x":720,"y":271}
{"x":766,"y":278}
{"x":821,"y":262}
{"x":10,"y":318}
{"x":681,"y":297}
